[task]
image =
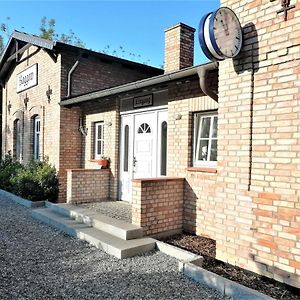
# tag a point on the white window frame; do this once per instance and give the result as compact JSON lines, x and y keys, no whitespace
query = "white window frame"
{"x":97,"y":139}
{"x":36,"y":137}
{"x":196,"y":144}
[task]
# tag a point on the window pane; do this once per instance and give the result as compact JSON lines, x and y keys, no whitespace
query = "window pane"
{"x":203,"y":150}
{"x":144,"y":128}
{"x":205,"y":126}
{"x":36,"y":138}
{"x":126,"y":148}
{"x":99,"y":132}
{"x":213,"y":150}
{"x":99,"y":148}
{"x":37,"y":146}
{"x":163,"y":158}
{"x":215,"y":127}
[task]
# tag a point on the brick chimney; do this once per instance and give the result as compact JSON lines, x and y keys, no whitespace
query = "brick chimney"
{"x":179,"y":47}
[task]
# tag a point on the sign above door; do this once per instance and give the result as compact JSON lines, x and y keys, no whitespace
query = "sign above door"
{"x":143,"y":101}
{"x":27,"y":78}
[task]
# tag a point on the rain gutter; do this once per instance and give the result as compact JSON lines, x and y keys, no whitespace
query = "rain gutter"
{"x":197,"y":70}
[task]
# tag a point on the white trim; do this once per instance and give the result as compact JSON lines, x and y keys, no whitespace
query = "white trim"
{"x":136,"y":111}
{"x":96,"y":139}
{"x":162,"y":116}
{"x":129,"y":118}
{"x":198,"y":117}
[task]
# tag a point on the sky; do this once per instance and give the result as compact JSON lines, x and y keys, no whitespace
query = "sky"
{"x":137,"y":26}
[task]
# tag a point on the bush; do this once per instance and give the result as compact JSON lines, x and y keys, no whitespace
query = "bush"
{"x":37,"y":181}
{"x":8,"y":169}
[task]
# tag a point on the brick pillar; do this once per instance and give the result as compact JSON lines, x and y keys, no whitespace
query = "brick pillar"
{"x":179,"y":47}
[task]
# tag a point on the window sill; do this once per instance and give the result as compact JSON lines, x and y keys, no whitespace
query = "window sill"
{"x":201,"y":169}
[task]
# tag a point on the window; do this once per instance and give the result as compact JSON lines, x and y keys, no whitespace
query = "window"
{"x":126,"y":148}
{"x":17,"y":140}
{"x":144,"y":128}
{"x":163,"y":152}
{"x":36,"y":137}
{"x":205,"y":140}
{"x":99,"y":140}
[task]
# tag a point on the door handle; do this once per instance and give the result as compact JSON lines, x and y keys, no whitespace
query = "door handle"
{"x":134,"y":161}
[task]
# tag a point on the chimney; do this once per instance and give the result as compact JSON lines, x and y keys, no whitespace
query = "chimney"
{"x":179,"y":47}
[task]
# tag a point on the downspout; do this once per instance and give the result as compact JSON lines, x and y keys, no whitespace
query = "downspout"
{"x":202,"y":72}
{"x":69,"y":77}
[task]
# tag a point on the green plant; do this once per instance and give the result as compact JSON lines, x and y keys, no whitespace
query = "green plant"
{"x":37,"y":181}
{"x":8,"y":170}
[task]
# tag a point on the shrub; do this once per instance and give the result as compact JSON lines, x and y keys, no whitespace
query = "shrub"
{"x":8,"y":169}
{"x":37,"y":181}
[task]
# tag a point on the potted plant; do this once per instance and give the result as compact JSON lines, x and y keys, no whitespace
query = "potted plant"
{"x":104,"y":162}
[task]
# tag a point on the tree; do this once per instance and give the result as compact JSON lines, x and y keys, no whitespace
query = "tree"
{"x":46,"y":31}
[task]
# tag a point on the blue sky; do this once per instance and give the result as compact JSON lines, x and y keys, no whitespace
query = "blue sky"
{"x":137,"y":26}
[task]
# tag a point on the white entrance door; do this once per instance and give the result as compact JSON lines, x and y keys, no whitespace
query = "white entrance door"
{"x":144,"y":151}
{"x":141,"y":151}
{"x":126,"y":157}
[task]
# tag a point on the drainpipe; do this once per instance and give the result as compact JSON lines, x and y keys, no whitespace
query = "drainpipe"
{"x":202,"y":72}
{"x":69,"y":77}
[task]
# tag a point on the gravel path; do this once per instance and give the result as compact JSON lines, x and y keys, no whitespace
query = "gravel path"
{"x":38,"y":262}
{"x":115,"y":209}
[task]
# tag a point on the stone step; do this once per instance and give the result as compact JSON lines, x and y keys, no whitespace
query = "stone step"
{"x":118,"y":228}
{"x":110,"y":244}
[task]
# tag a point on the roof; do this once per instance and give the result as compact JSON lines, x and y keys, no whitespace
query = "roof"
{"x":180,"y":74}
{"x":20,"y":41}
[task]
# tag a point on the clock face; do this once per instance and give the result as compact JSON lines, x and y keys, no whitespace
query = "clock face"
{"x":227,"y":32}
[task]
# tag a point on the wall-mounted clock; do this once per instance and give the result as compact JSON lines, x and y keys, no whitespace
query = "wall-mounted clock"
{"x":220,"y":34}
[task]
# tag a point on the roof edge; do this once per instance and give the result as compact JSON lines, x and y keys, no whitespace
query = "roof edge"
{"x":136,"y":85}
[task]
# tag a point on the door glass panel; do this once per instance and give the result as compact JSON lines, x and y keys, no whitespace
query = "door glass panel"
{"x":126,"y":148}
{"x":163,"y":158}
{"x":144,"y":128}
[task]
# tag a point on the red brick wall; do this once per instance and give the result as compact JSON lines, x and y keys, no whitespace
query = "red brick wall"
{"x":87,"y":185}
{"x":93,"y":73}
{"x":157,"y":204}
{"x":70,"y":146}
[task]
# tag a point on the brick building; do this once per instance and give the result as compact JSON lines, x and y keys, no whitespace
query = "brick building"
{"x":35,"y":75}
{"x":211,"y":149}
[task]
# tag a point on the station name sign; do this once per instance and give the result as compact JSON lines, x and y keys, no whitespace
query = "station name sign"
{"x":27,"y":79}
{"x":143,"y":101}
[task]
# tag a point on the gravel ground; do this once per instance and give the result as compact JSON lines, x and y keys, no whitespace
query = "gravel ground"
{"x":115,"y":209}
{"x":38,"y":262}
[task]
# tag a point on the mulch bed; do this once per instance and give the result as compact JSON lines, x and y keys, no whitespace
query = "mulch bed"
{"x":207,"y":248}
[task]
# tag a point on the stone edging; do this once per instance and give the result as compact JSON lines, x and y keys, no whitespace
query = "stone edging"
{"x":190,"y":265}
{"x":21,"y":201}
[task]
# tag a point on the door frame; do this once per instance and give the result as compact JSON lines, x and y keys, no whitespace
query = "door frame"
{"x":132,"y":113}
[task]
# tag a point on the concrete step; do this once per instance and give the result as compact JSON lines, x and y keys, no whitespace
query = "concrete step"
{"x":112,"y":245}
{"x":118,"y":228}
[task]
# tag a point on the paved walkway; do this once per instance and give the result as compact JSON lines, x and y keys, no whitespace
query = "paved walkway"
{"x":120,"y":210}
{"x":38,"y":262}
